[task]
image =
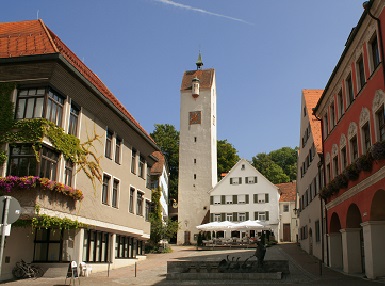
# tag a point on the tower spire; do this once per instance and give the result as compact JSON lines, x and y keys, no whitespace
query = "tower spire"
{"x":199,"y":62}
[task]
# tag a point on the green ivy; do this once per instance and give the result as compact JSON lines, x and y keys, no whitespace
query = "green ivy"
{"x":46,"y":221}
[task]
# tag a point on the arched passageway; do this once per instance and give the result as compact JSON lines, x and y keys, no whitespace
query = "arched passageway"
{"x":335,"y":242}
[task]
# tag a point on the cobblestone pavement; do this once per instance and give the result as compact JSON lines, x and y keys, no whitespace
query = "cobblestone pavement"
{"x":304,"y":270}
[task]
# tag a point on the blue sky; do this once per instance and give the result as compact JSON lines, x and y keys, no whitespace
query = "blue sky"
{"x":264,"y":54}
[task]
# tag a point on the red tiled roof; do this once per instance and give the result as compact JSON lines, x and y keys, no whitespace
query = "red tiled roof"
{"x":32,"y":37}
{"x":205,"y":77}
{"x":157,"y":167}
{"x":288,"y":191}
{"x":311,"y":98}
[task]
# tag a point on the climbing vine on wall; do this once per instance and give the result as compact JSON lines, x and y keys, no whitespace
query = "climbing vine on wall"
{"x":36,"y":129}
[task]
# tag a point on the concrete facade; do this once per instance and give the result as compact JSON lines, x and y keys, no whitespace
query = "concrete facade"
{"x":197,"y":151}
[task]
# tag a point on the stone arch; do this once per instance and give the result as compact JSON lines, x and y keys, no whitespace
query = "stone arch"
{"x":335,"y":223}
{"x":377,"y":210}
{"x":353,"y":217}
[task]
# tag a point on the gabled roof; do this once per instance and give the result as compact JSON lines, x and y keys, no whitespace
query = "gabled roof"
{"x":311,"y":97}
{"x":32,"y":37}
{"x":205,"y":77}
{"x":288,"y":191}
{"x":157,"y":167}
{"x":239,"y":165}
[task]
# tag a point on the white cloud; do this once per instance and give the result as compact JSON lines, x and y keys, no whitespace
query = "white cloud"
{"x":190,"y":8}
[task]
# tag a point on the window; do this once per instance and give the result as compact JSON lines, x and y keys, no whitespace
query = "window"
{"x":131,"y":205}
{"x":133,"y":161}
{"x":229,"y":217}
{"x":353,"y":148}
{"x":139,"y":203}
{"x":217,"y":200}
{"x":375,"y":55}
{"x":118,"y":143}
{"x":229,"y":199}
{"x":95,"y":246}
{"x":22,"y":161}
{"x":73,"y":120}
{"x":115,"y":191}
{"x":380,"y":115}
{"x":328,"y":172}
{"x":340,"y":104}
{"x":335,"y":166}
{"x":343,"y":158}
{"x":107,"y":151}
{"x":262,"y":216}
{"x":217,"y":217}
{"x":236,"y":181}
{"x":148,"y":175}
{"x":360,"y":73}
{"x":242,"y":216}
{"x":105,"y":189}
{"x":251,"y":180}
{"x":141,"y":167}
{"x":30,"y":103}
{"x":261,"y":198}
{"x":68,"y":173}
{"x":241,"y":199}
{"x":366,"y":137}
{"x":349,"y":89}
{"x":53,"y":245}
{"x":285,"y":208}
{"x":54,"y":109}
{"x":147,"y":211}
{"x":326,"y":126}
{"x":48,"y":164}
{"x":332,"y":118}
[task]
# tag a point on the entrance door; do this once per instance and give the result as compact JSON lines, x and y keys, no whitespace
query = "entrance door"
{"x":286,"y":232}
{"x":310,"y":241}
{"x":187,"y":237}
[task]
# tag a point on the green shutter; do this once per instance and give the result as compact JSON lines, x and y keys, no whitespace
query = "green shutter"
{"x":223,"y":200}
{"x":246,"y":180}
{"x":255,"y":198}
{"x":247,"y":199}
{"x":255,"y":180}
{"x":234,"y":199}
{"x":235,"y":217}
{"x":255,"y":215}
{"x":211,"y":200}
{"x":266,"y":198}
{"x":231,"y":181}
{"x":247,"y":215}
{"x":211,"y":217}
{"x":267,"y":215}
{"x":223,"y":216}
{"x":240,"y":180}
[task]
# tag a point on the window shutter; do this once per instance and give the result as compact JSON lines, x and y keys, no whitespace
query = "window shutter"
{"x":255,"y":198}
{"x":255,"y":180}
{"x":255,"y":215}
{"x":235,"y":199}
{"x":266,"y":198}
{"x":247,"y":180}
{"x":211,"y":200}
{"x":247,"y":215}
{"x":240,"y":180}
{"x":231,"y":181}
{"x":223,"y":200}
{"x":211,"y":217}
{"x":235,"y":217}
{"x":267,"y":215}
{"x":223,"y":216}
{"x":247,"y":199}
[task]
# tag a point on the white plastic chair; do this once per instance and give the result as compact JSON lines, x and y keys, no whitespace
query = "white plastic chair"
{"x":85,"y":269}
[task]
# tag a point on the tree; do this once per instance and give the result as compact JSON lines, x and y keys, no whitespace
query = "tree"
{"x":286,"y":158}
{"x":167,"y":138}
{"x":268,"y":168}
{"x":226,"y":157}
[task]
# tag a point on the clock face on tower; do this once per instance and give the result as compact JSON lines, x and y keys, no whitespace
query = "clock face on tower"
{"x":194,"y":117}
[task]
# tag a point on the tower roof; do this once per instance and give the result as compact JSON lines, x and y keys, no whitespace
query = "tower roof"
{"x":206,"y":78}
{"x":199,"y":62}
{"x":311,"y":97}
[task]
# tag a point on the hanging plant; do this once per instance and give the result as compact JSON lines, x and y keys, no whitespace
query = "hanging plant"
{"x":351,"y":171}
{"x":365,"y":162}
{"x":378,"y":150}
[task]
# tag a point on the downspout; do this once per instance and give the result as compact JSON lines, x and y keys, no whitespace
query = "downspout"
{"x":367,"y":5}
{"x":324,"y":226}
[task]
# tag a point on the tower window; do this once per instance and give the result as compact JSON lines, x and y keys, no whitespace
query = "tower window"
{"x":195,"y":176}
{"x":195,"y":139}
{"x":195,"y":161}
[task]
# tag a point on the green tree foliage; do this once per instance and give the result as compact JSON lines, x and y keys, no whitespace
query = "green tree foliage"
{"x":279,"y":166}
{"x":226,"y":157}
{"x":159,"y":229}
{"x":167,"y":138}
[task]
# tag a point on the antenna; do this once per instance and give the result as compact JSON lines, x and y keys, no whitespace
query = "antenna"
{"x":37,"y":15}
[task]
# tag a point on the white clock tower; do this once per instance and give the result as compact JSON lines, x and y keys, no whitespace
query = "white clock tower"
{"x":197,"y":150}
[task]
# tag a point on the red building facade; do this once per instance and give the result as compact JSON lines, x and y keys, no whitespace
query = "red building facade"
{"x":351,"y":110}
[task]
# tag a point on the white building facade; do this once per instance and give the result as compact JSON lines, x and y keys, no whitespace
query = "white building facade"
{"x":245,"y":194}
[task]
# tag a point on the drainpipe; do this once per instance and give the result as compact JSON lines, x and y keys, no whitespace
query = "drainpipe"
{"x":367,"y":5}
